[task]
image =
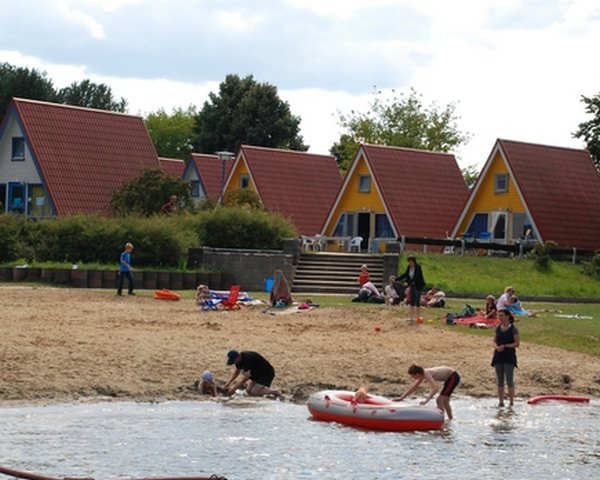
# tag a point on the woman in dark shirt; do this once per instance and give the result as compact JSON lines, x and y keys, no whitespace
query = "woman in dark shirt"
{"x":413,"y":278}
{"x":506,"y":342}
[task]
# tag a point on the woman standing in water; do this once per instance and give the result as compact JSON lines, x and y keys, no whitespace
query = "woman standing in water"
{"x":506,"y":342}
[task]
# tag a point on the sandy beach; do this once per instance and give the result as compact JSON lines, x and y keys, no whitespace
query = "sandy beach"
{"x":64,"y":345}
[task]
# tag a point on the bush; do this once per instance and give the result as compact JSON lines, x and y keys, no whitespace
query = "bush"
{"x":230,"y":227}
{"x":592,"y":268}
{"x":160,"y":241}
{"x":541,"y":254}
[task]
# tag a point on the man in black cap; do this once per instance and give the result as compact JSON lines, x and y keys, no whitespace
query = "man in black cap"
{"x":255,"y":368}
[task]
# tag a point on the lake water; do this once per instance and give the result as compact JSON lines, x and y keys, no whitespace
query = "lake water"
{"x":277,"y":440}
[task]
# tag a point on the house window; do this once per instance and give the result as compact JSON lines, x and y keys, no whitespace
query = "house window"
{"x":37,"y":202}
{"x":364,"y":183}
{"x":478,"y":225}
{"x":3,"y":197}
{"x":244,"y":182}
{"x":345,"y":225}
{"x":195,"y":187}
{"x":501,"y":183}
{"x":18,"y":149}
{"x":383,"y":228}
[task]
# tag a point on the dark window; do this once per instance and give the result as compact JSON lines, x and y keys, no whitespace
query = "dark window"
{"x":244,"y":182}
{"x":383,"y":227}
{"x":18,"y":148}
{"x":195,"y":184}
{"x":364,"y":183}
{"x":501,"y":183}
{"x":479,"y":225}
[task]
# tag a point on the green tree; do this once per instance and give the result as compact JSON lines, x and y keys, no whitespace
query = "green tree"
{"x":402,"y":121}
{"x":92,"y":95}
{"x":590,"y":130}
{"x":25,"y":83}
{"x":245,"y":111}
{"x":470,"y":173}
{"x":173,"y":134}
{"x":146,"y":194}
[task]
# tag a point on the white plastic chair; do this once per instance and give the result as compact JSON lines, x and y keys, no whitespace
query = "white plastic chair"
{"x":355,"y":243}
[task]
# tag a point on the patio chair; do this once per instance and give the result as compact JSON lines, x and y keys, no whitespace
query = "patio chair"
{"x":355,"y":244}
{"x":230,"y":303}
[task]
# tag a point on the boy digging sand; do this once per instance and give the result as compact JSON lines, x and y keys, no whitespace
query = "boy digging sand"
{"x":448,"y":375}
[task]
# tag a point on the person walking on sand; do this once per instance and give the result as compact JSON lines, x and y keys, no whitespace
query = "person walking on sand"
{"x":414,"y":280}
{"x":126,"y":271}
{"x":254,"y":367}
{"x":506,"y":342}
{"x":448,"y":375}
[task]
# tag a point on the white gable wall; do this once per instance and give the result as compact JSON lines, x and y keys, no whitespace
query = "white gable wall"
{"x":19,"y":171}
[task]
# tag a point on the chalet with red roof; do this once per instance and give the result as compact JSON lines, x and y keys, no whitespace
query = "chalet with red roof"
{"x":539,"y":192}
{"x":207,"y":174}
{"x":59,"y":160}
{"x":297,"y":185}
{"x":392,"y":191}
{"x":172,"y":166}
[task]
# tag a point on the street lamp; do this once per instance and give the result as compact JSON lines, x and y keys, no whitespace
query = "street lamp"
{"x":223,"y":156}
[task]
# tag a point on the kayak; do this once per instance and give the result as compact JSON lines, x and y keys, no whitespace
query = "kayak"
{"x":558,"y":398}
{"x":373,"y":413}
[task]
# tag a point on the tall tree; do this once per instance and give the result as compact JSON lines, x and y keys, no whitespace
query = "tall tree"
{"x":92,"y":95}
{"x":173,"y":134}
{"x":590,"y":130}
{"x":245,"y":111}
{"x":402,"y":121}
{"x":23,"y":82}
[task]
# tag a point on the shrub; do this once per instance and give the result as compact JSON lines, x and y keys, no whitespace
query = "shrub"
{"x":592,"y":268}
{"x":541,"y":254}
{"x":230,"y":227}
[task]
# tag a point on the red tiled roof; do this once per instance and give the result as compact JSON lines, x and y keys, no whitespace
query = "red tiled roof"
{"x":423,"y":191}
{"x":210,"y":170}
{"x":84,"y":154}
{"x":561,"y":190}
{"x":298,"y":185}
{"x":172,"y":166}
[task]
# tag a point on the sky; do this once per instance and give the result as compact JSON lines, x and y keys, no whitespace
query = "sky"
{"x":514,"y":69}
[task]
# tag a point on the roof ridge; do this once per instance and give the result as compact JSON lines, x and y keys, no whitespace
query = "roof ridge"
{"x":410,"y":149}
{"x":285,"y":150}
{"x":75,"y":107}
{"x":542,"y":145}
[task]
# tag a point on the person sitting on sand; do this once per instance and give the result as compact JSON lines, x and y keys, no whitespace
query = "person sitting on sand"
{"x":506,"y":298}
{"x":390,"y":293}
{"x":202,"y":295}
{"x":434,"y":298}
{"x":490,"y":307}
{"x":365,"y":283}
{"x":255,"y":368}
{"x":448,"y":375}
{"x":207,"y":384}
{"x":281,"y":295}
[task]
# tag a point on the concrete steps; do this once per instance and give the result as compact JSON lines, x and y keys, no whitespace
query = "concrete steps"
{"x":335,"y":272}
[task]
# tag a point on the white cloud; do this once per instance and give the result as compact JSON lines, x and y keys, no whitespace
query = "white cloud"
{"x":239,"y":20}
{"x":78,"y":17}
